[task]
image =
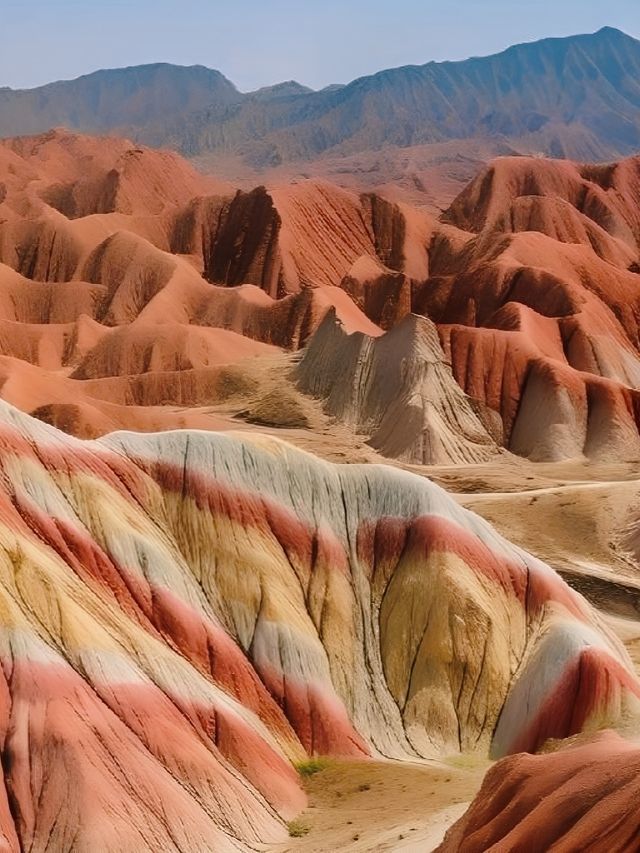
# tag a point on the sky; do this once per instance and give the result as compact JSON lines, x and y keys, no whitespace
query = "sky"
{"x":260,"y":42}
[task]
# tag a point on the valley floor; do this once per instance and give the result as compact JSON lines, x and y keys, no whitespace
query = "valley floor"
{"x":383,"y":806}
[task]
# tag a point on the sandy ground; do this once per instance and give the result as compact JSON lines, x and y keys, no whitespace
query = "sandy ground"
{"x":384,"y":806}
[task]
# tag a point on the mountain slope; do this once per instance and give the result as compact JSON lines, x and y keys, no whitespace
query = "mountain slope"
{"x":575,"y":97}
{"x":133,"y":97}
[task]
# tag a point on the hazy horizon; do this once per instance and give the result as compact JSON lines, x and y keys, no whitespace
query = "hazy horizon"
{"x":256,"y":46}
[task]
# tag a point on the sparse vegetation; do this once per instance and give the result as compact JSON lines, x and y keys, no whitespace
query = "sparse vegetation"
{"x":311,"y":766}
{"x":280,"y":407}
{"x":466,"y":761}
{"x":234,"y":382}
{"x":298,"y":828}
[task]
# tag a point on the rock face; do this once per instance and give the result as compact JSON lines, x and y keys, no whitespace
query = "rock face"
{"x":74,"y":208}
{"x":539,"y":315}
{"x":121,"y":263}
{"x":582,"y":797}
{"x":191,"y":612}
{"x":106,"y":313}
{"x":397,"y":389}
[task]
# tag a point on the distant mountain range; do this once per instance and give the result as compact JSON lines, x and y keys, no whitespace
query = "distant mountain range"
{"x":576,"y":97}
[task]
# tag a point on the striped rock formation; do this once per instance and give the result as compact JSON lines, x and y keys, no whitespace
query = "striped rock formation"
{"x":539,"y":313}
{"x":397,"y":389}
{"x":119,"y":261}
{"x":185,"y":614}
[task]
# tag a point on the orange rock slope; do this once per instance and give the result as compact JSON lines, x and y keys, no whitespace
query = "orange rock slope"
{"x":582,"y":798}
{"x":118,"y":261}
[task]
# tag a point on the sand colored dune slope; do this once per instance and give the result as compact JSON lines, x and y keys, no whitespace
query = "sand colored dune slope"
{"x":184,"y":614}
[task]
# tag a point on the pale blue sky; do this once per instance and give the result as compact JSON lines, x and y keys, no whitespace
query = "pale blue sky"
{"x":259,"y":42}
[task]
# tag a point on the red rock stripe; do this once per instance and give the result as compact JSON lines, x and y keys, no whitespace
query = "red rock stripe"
{"x":317,"y":714}
{"x":303,"y":544}
{"x":382,"y":542}
{"x":589,"y":683}
{"x":113,"y":470}
{"x":163,"y":615}
{"x":188,"y":738}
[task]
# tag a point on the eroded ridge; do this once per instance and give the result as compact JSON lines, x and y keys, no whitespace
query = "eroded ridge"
{"x":185,"y":614}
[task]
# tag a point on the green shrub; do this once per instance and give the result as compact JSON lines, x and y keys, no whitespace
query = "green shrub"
{"x":311,"y":766}
{"x":297,"y":828}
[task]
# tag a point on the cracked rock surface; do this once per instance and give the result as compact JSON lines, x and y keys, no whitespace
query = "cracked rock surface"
{"x":185,"y":615}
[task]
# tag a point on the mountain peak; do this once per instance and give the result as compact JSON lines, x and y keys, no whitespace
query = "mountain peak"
{"x":531,"y":97}
{"x":281,"y":90}
{"x":611,"y":31}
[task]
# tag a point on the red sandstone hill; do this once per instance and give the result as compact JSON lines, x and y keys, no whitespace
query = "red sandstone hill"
{"x":118,"y":261}
{"x":583,"y":797}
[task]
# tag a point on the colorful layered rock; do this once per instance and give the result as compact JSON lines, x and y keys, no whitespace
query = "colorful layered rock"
{"x":184,"y":615}
{"x":119,"y":261}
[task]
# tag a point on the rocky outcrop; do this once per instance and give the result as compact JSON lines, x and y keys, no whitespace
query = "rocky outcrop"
{"x":396,"y":389}
{"x":531,"y":278}
{"x":236,"y":237}
{"x":380,"y":293}
{"x":538,"y":312}
{"x":582,"y":797}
